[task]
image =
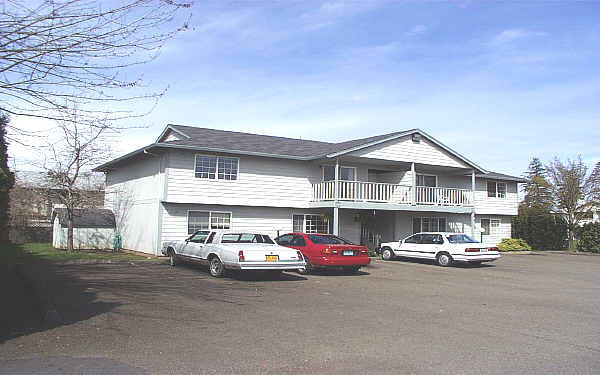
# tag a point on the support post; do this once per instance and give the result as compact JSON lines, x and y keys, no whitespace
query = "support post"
{"x":336,"y":220}
{"x":414,"y":183}
{"x":473,"y":203}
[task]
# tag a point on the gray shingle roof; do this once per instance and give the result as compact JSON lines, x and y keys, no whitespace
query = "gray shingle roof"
{"x":501,"y":176}
{"x":86,"y":217}
{"x":256,"y":143}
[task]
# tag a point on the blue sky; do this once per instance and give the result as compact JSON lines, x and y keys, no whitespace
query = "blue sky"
{"x":499,"y":82}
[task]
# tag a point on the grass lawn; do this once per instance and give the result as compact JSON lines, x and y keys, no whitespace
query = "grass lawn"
{"x":31,"y":252}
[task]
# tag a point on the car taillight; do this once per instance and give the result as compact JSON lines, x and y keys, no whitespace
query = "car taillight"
{"x":471,"y":250}
{"x":493,"y":249}
{"x":241,"y":256}
{"x":329,"y":251}
{"x":363,"y":251}
{"x":300,"y":257}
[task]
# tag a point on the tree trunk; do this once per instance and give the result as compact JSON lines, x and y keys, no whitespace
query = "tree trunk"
{"x":70,"y":230}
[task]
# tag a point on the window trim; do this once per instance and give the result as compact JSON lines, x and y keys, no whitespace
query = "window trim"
{"x":341,"y":166}
{"x":209,"y":219}
{"x":218,"y":157}
{"x":438,"y":218}
{"x":492,"y":231}
{"x":496,"y":183}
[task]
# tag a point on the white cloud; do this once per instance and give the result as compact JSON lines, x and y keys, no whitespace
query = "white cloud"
{"x":416,"y":30}
{"x":511,"y":35}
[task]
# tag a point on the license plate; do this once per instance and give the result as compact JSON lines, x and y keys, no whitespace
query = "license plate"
{"x":272,"y":258}
{"x":484,"y":250}
{"x":348,"y":252}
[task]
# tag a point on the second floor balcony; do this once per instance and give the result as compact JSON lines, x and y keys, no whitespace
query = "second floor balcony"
{"x":357,"y":191}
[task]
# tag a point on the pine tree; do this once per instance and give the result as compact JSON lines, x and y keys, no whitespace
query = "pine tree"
{"x":7,"y":180}
{"x":538,"y":192}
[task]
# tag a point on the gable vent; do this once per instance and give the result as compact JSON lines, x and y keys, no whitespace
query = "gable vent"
{"x":416,"y":137}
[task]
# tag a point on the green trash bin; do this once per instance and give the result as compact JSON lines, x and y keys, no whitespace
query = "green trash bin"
{"x":117,"y":243}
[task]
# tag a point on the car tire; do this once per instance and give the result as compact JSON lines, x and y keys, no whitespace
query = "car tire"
{"x":216,"y":267}
{"x":173,"y":261}
{"x":443,"y":259}
{"x":387,"y":254}
{"x":307,"y":269}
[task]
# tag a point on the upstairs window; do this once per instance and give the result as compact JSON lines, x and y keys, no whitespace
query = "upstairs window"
{"x":346,"y":173}
{"x":216,"y":167}
{"x":496,"y":189}
{"x":426,"y":180}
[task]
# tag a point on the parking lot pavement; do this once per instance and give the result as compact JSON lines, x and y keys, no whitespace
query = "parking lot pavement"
{"x":533,"y":314}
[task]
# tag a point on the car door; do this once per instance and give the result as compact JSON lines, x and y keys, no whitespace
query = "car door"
{"x":195,"y":243}
{"x":208,"y":244}
{"x":429,"y":245}
{"x":408,"y":247}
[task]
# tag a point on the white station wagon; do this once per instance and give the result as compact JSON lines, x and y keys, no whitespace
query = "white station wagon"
{"x":234,"y":250}
{"x":444,"y":247}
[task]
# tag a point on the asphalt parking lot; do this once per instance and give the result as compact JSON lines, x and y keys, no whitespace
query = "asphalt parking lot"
{"x":524,"y":314}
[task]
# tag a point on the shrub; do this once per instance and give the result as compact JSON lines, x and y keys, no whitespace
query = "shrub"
{"x":541,"y":231}
{"x":513,"y":244}
{"x":589,"y":238}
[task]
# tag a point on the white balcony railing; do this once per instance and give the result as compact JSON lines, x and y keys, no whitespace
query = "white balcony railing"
{"x":392,"y":193}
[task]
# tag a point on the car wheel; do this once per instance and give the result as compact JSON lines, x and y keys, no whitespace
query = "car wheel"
{"x":387,"y":254}
{"x":443,"y":259}
{"x":173,"y":261}
{"x":307,"y":269}
{"x":216,"y":267}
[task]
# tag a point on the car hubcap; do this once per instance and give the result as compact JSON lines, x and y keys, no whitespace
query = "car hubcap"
{"x":386,"y":254}
{"x":216,"y":267}
{"x":444,"y":259}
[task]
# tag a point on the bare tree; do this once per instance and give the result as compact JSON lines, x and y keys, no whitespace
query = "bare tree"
{"x":57,"y":52}
{"x":80,"y":146}
{"x":574,"y":192}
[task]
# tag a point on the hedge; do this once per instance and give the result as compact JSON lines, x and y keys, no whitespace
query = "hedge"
{"x":541,"y":232}
{"x":589,"y":238}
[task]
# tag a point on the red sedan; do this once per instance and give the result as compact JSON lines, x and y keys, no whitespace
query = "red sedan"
{"x":326,"y":251}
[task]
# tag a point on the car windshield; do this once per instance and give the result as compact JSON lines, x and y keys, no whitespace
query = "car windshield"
{"x":246,"y":238}
{"x":460,"y":238}
{"x":323,"y":239}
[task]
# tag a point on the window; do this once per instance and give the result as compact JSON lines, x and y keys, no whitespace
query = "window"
{"x":199,"y":237}
{"x":429,"y":224}
{"x":346,"y":173}
{"x":228,"y":168}
{"x":426,"y":180}
{"x":490,"y":226}
{"x":198,"y":220}
{"x":211,"y":237}
{"x":431,"y":239}
{"x":310,"y":224}
{"x":205,"y":220}
{"x":213,"y":167}
{"x":206,"y":166}
{"x":496,"y":189}
{"x":298,"y":223}
{"x":328,"y":240}
{"x":285,"y":240}
{"x":245,"y":238}
{"x":460,"y":238}
{"x":298,"y":241}
{"x":413,"y":239}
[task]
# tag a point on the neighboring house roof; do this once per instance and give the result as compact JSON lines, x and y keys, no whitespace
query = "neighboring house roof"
{"x":86,"y":218}
{"x":214,"y":140}
{"x":501,"y":176}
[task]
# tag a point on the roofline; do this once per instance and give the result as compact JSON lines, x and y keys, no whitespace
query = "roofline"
{"x":170,"y":127}
{"x":507,"y":178}
{"x":103,"y":167}
{"x":403,"y":134}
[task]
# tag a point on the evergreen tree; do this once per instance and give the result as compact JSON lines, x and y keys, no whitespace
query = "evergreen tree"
{"x":7,"y":180}
{"x":538,"y":192}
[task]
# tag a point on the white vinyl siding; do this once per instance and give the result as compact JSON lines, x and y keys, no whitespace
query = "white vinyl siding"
{"x":265,"y":182}
{"x":496,"y":228}
{"x":405,"y":150}
{"x":485,"y":205}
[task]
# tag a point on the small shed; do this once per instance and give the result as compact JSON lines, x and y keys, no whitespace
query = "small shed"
{"x":93,"y":228}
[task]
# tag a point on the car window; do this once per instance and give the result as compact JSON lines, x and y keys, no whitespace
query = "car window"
{"x":298,"y":241}
{"x":328,"y":239}
{"x":211,"y":237}
{"x":431,"y":239}
{"x":413,"y":239}
{"x":460,"y":238}
{"x":284,"y":240}
{"x":199,"y":237}
{"x":245,"y":238}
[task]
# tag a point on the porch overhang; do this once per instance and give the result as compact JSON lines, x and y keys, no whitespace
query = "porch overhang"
{"x":390,"y":207}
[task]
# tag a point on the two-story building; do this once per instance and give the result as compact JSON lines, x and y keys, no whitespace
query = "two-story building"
{"x":381,"y":188}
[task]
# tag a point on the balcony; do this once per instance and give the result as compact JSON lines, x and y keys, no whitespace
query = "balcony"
{"x":356,"y":191}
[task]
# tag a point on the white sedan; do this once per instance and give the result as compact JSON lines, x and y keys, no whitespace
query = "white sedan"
{"x":235,"y":250}
{"x":444,"y":247}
